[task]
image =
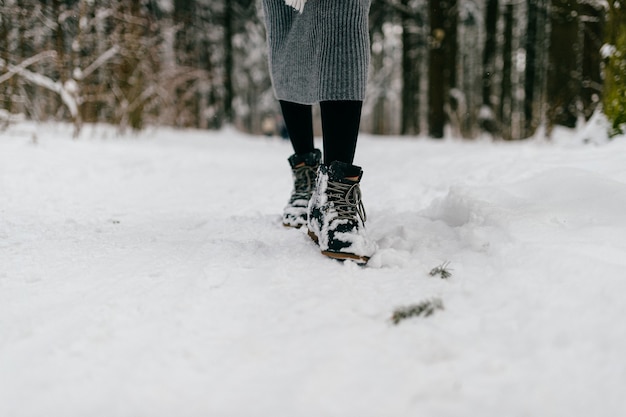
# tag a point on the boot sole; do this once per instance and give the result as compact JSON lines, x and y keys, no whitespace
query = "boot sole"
{"x":343,"y":256}
{"x":340,"y":256}
{"x":291,"y":226}
{"x":313,"y":237}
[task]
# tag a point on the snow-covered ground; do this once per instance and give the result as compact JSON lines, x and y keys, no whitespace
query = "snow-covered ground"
{"x":150,"y":276}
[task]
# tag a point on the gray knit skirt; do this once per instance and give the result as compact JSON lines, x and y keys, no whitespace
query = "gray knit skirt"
{"x":320,"y":55}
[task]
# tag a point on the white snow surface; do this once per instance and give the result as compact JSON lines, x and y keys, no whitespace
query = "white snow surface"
{"x":150,"y":275}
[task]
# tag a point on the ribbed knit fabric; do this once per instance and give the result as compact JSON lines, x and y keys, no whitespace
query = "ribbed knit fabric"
{"x":321,"y":54}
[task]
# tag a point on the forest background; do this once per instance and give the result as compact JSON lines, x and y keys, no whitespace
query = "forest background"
{"x":510,"y":69}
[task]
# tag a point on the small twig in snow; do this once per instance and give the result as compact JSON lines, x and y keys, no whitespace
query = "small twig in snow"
{"x":425,"y":308}
{"x":442,"y":270}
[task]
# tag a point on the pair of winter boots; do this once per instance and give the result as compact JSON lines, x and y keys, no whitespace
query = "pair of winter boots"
{"x":327,"y":200}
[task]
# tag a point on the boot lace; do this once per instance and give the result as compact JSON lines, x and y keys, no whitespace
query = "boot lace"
{"x":305,"y":177}
{"x":347,"y":200}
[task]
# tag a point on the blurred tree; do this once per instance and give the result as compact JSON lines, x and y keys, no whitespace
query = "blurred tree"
{"x":487,"y":117}
{"x":563,"y":74}
{"x":441,"y":74}
{"x":615,"y":71}
{"x":536,"y":65}
{"x":505,"y":108}
{"x":591,"y":33}
{"x":413,"y":43}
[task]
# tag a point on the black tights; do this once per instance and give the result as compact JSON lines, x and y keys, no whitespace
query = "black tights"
{"x":340,"y":128}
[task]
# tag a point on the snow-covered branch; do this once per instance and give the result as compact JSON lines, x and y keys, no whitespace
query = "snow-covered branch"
{"x":101,"y":60}
{"x":67,"y":90}
{"x":15,"y":69}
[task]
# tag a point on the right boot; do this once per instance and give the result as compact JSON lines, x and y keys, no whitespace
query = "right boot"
{"x":336,"y":216}
{"x":304,"y":172}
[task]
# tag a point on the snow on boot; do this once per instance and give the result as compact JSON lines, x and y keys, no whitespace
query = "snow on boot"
{"x":304,"y":170}
{"x":336,"y":215}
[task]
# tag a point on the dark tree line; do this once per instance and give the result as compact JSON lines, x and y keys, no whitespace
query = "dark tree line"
{"x":506,"y":68}
{"x":501,"y":67}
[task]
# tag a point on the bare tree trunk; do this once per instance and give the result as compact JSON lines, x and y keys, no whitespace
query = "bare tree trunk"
{"x":563,"y":87}
{"x":59,"y":39}
{"x":412,"y":44}
{"x":5,"y":88}
{"x":536,"y":65}
{"x":467,"y":93}
{"x":487,"y":118}
{"x":228,"y":61}
{"x":592,"y":30}
{"x":531,"y":63}
{"x":506,"y":105}
{"x":450,"y":43}
{"x":437,"y":71}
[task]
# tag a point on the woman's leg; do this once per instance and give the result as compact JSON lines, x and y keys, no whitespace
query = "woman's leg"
{"x":340,"y":126}
{"x":304,"y":162}
{"x":299,"y":121}
{"x":336,"y":217}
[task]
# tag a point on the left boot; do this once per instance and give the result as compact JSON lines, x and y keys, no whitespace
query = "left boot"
{"x":304,"y":171}
{"x":336,"y":216}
